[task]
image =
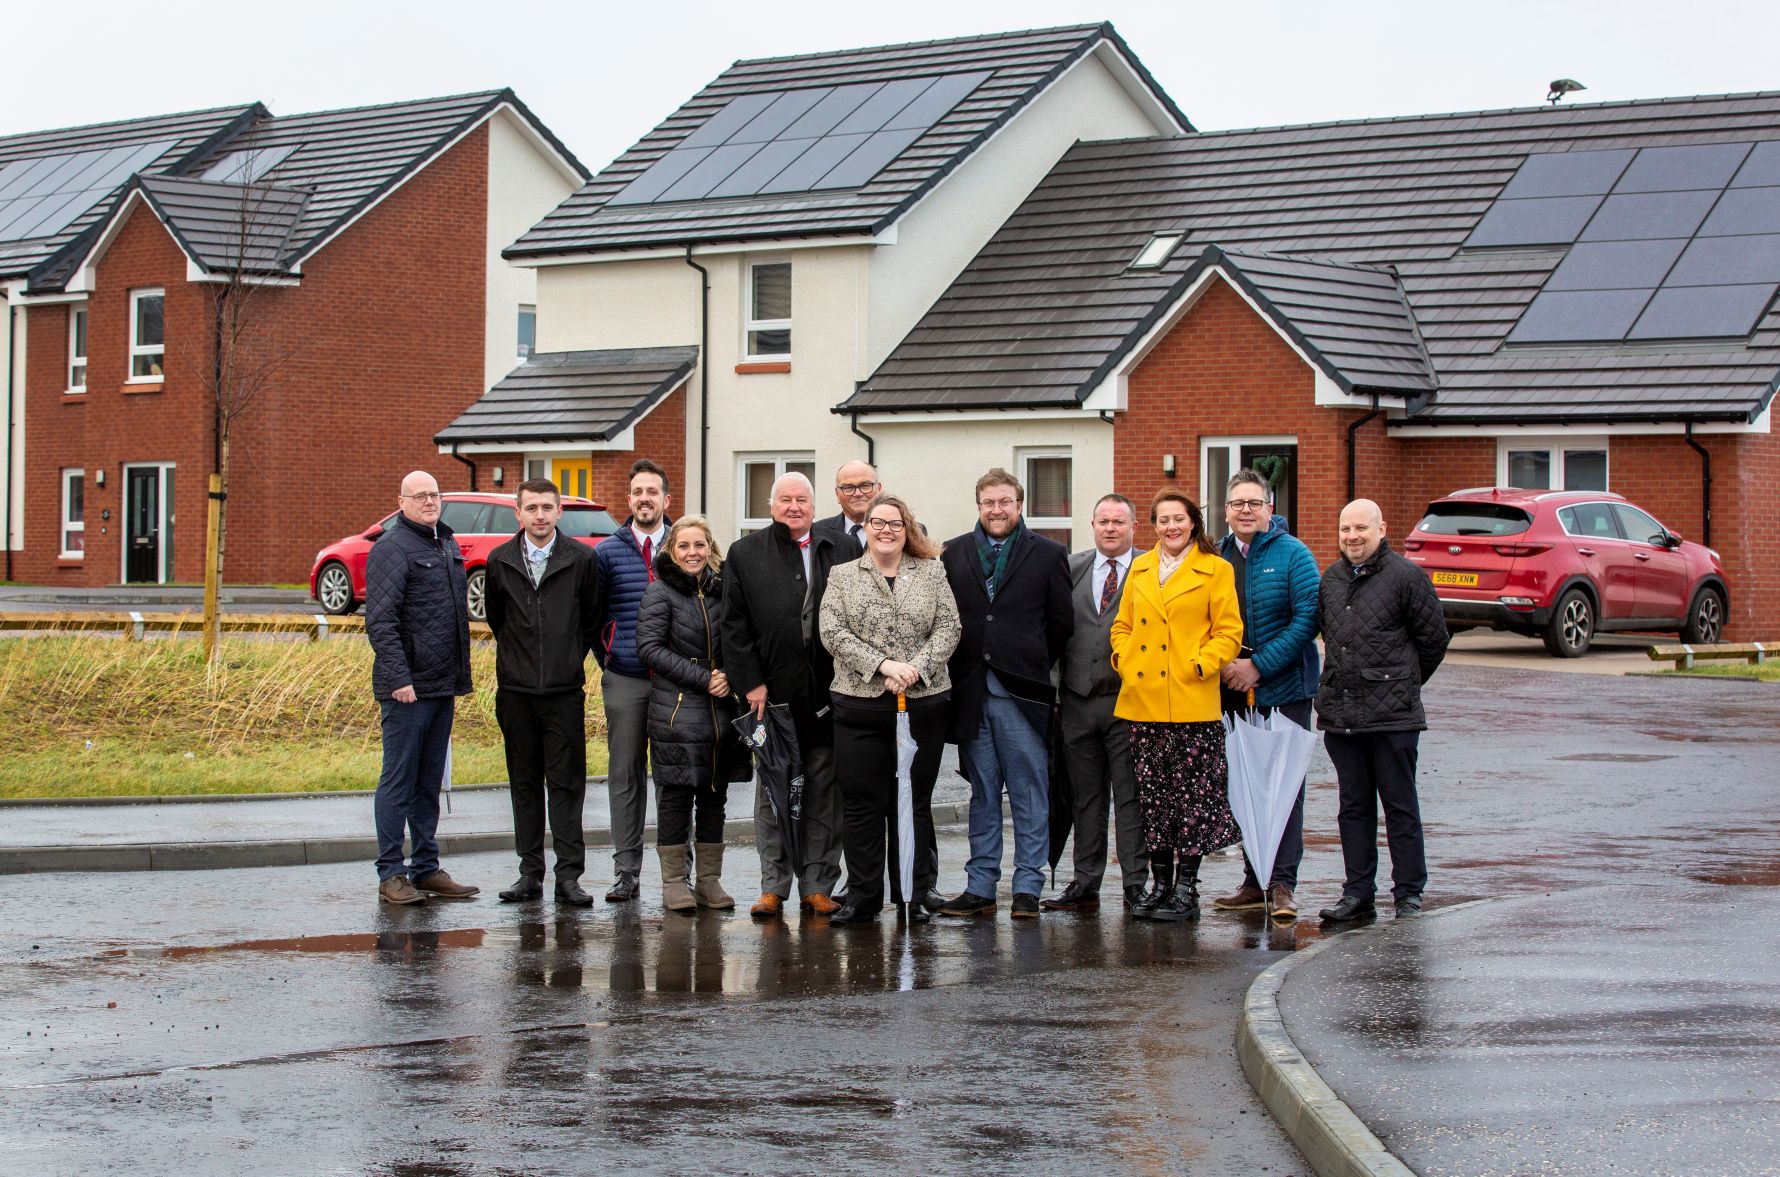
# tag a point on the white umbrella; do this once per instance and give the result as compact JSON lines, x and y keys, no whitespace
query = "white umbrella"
{"x":1268,"y":756}
{"x":905,"y":799}
{"x":445,"y":783}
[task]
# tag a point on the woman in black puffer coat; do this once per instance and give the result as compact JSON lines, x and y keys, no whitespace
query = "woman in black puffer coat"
{"x":694,"y":751}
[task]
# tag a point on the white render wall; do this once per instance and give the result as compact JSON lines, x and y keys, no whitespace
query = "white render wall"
{"x":524,"y":184}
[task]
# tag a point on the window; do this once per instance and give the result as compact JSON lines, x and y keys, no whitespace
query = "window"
{"x":757,"y":475}
{"x":528,"y":330}
{"x":1541,"y":465}
{"x":1156,"y":250}
{"x":1592,"y":520}
{"x":1047,"y":475}
{"x":77,"y":349}
{"x":467,"y":517}
{"x":147,"y":334}
{"x":537,"y":468}
{"x":74,"y":527}
{"x":1638,"y":527}
{"x":1273,"y":458}
{"x":769,"y":310}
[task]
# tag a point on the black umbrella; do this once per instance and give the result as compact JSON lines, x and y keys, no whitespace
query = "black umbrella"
{"x":778,"y":765}
{"x":1062,"y":793}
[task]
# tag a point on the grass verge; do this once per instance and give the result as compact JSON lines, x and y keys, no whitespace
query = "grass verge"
{"x":1766,"y":671}
{"x":94,"y":716}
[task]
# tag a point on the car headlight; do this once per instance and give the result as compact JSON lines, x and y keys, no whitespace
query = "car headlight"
{"x":318,"y":556}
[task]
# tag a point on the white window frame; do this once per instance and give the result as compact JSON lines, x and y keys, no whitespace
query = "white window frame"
{"x":158,"y":350}
{"x":70,"y":526}
{"x":750,"y":324}
{"x":523,"y":348}
{"x":781,"y":462}
{"x":1212,"y":498}
{"x":79,"y":324}
{"x":1023,"y":459}
{"x":1556,"y":450}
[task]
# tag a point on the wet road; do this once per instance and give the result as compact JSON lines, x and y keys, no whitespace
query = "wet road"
{"x":282,"y":1004}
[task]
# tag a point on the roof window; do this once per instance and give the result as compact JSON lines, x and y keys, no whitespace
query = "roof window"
{"x":1159,"y":249}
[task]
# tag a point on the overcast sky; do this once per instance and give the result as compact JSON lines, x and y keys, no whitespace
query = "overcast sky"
{"x":601,"y":74}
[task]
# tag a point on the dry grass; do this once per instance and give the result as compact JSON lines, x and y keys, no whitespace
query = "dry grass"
{"x":1765,"y":671}
{"x":90,"y":715}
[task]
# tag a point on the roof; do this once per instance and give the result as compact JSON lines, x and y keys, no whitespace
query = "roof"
{"x":572,"y":396}
{"x":189,"y":137}
{"x":1049,"y":306}
{"x":311,"y":175}
{"x":1020,"y":65}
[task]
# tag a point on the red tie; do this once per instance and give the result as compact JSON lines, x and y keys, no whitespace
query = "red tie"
{"x":649,"y":556}
{"x":1111,"y":586}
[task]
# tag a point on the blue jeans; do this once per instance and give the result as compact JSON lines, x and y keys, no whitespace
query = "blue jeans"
{"x":416,"y":737}
{"x":1010,"y":754}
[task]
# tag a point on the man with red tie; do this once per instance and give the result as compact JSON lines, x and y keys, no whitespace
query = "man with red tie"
{"x":1096,"y":743}
{"x":626,"y":569}
{"x":773,"y":581}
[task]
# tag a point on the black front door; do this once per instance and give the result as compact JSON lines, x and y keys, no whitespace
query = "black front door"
{"x":142,"y":524}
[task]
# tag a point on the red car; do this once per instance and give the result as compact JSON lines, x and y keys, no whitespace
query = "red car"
{"x":1565,"y":565}
{"x":481,"y":523}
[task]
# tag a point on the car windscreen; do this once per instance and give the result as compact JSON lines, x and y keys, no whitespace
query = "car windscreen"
{"x":1461,"y":518}
{"x":582,"y":522}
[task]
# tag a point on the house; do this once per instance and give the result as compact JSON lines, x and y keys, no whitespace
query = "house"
{"x":1573,"y":297}
{"x":708,"y":297}
{"x":368,"y":241}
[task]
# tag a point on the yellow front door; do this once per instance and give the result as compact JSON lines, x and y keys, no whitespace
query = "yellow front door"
{"x":574,"y":476}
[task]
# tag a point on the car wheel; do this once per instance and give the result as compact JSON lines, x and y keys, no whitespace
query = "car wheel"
{"x":1705,"y":618}
{"x":333,"y":589}
{"x":1572,"y":625}
{"x":478,"y":595}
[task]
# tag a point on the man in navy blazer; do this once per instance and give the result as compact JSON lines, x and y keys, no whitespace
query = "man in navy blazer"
{"x":1012,"y":588}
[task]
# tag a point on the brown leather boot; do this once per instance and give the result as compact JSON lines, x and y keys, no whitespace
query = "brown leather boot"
{"x":767,"y":906}
{"x":444,"y":886}
{"x":820,"y":904}
{"x":1285,"y":908}
{"x":675,"y":895}
{"x":399,"y":890}
{"x":709,"y":889}
{"x":1246,"y":898}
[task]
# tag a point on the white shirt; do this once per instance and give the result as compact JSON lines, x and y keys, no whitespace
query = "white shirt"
{"x":804,"y":545}
{"x":531,"y":547}
{"x":1101,"y":562}
{"x":654,"y":536}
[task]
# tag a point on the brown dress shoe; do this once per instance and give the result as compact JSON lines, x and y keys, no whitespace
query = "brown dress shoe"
{"x":1285,"y":908}
{"x":767,"y":906}
{"x":1247,"y":898}
{"x":444,"y":886}
{"x":399,"y":890}
{"x":820,"y":904}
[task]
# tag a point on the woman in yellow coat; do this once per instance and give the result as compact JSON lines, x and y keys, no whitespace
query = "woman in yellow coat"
{"x":1179,"y":622}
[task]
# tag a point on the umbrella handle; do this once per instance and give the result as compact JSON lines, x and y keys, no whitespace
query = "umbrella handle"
{"x":1251,"y":698}
{"x":902,"y":702}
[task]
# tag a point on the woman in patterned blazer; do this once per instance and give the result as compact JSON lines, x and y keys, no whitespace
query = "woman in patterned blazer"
{"x":890,"y":622}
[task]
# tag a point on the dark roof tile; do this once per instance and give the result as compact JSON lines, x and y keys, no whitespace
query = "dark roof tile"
{"x":572,"y":396}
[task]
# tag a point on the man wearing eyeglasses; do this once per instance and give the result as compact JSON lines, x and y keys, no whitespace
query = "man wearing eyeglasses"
{"x":417,"y":617}
{"x":855,"y":486}
{"x":1276,"y":586}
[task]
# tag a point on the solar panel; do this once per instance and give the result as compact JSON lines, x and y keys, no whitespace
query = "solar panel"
{"x":1761,"y":169}
{"x":244,"y":167}
{"x":1744,"y":210}
{"x":1728,"y":261}
{"x":1568,"y":173}
{"x":800,"y":140}
{"x":1584,"y":316}
{"x":41,"y":197}
{"x":1616,"y":265}
{"x":1674,"y":169}
{"x":1552,"y":220}
{"x":1649,"y":215}
{"x":1703,"y":312}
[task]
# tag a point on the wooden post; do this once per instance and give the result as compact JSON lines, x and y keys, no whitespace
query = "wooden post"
{"x":212,"y":558}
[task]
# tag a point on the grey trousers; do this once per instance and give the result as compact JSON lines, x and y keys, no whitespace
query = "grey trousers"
{"x":823,"y":822}
{"x":627,"y":769}
{"x":1097,"y":746}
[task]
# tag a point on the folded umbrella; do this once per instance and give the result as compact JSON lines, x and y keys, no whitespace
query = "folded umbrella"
{"x":1268,"y":756}
{"x":1062,"y":793}
{"x":778,"y":768}
{"x":905,"y":802}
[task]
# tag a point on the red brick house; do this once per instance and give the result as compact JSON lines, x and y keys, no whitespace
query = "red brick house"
{"x":368,"y":240}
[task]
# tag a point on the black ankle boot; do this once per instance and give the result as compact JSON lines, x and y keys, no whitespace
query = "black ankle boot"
{"x":1145,"y":905}
{"x":1181,"y":903}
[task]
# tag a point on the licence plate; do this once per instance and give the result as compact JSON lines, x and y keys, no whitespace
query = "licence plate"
{"x":1457,"y":579}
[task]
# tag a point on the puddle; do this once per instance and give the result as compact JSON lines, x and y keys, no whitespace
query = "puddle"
{"x":1741,"y":875}
{"x":1617,"y":757}
{"x":349,"y":942}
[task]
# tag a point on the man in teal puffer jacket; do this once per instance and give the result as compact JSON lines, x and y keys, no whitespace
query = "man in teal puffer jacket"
{"x":1276,"y":584}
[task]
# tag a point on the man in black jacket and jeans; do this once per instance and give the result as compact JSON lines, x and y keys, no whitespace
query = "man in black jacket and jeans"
{"x":417,"y":617}
{"x":1384,"y":635}
{"x":543,"y":606}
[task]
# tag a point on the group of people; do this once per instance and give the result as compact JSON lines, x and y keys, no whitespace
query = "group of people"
{"x":1116,"y":666}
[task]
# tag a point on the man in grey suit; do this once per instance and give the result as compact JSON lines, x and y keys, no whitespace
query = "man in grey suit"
{"x":1096,"y":743}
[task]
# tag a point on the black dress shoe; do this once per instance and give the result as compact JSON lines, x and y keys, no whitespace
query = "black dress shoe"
{"x":1409,"y":907}
{"x":933,"y":900}
{"x":1351,"y":907}
{"x":624,"y":890}
{"x":852,"y":915}
{"x":968,"y":903}
{"x":1025,"y":907}
{"x":917,"y":913}
{"x":569,"y":891}
{"x":1144,"y":906}
{"x":1075,"y":897}
{"x":524,"y":891}
{"x":1133,"y":892}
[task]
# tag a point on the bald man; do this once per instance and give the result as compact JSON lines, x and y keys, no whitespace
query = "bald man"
{"x":417,"y":618}
{"x":1383,"y":636}
{"x":855,"y":486}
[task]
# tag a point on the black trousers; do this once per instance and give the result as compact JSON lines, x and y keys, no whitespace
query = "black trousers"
{"x":546,"y":742}
{"x":1291,"y":843}
{"x":865,"y":767}
{"x":1371,"y":768}
{"x":675,"y":806}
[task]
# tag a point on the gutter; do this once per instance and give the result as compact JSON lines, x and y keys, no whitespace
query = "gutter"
{"x":1352,"y":429}
{"x":11,"y":424}
{"x":1705,"y":486}
{"x":467,"y":462}
{"x":871,"y":447}
{"x":704,"y":380}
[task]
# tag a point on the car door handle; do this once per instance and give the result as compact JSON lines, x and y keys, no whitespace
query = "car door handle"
{"x":1641,"y":555}
{"x":1585,"y":551}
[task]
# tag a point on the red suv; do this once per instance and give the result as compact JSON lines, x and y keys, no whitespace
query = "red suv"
{"x":480,"y":522}
{"x":1565,"y":565}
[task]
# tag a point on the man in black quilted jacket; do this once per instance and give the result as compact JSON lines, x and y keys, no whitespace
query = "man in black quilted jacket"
{"x":1383,"y":636}
{"x":417,"y":617}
